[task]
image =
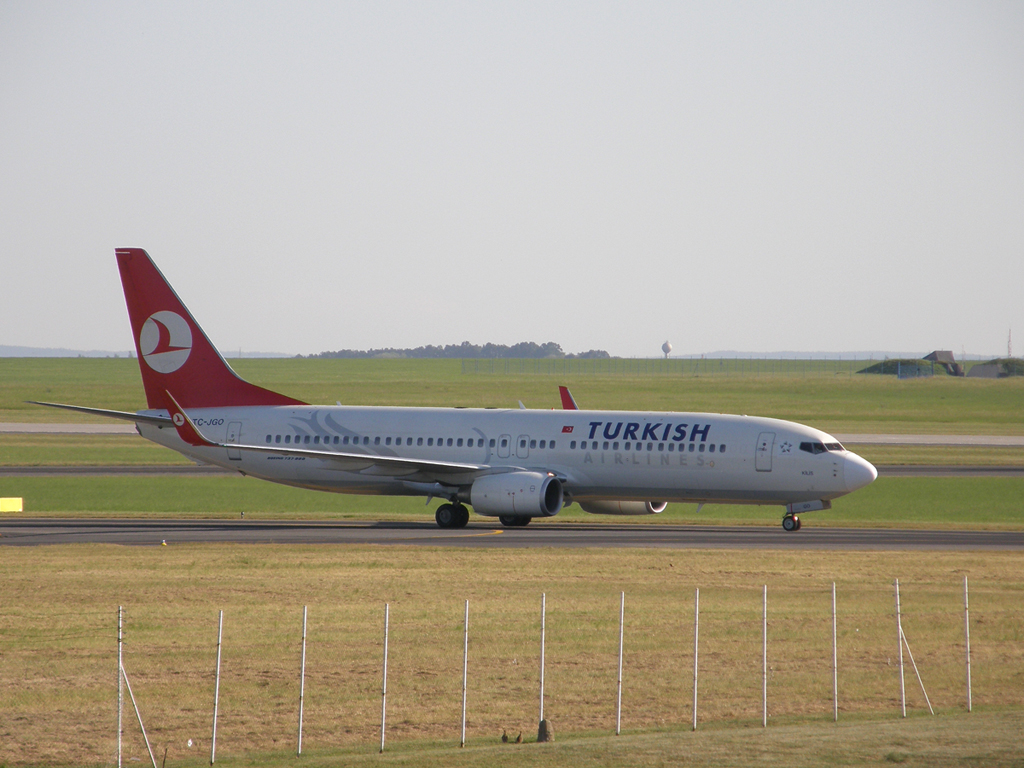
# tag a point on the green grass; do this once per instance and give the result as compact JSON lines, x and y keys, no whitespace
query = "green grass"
{"x":921,"y":502}
{"x":836,"y":403}
{"x":57,"y":652}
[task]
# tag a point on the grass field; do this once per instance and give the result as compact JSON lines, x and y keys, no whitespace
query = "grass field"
{"x":58,"y":655}
{"x":57,"y":623}
{"x":844,"y":403}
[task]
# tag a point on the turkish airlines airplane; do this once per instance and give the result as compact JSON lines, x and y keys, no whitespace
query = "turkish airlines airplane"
{"x":513,"y":464}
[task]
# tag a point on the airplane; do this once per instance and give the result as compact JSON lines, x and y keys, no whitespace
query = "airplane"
{"x":513,"y":464}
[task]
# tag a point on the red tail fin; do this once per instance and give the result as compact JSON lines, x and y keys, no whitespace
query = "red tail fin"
{"x":174,"y":354}
{"x":568,"y":402}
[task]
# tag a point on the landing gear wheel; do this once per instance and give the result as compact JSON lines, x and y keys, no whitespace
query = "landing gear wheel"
{"x":461,"y":516}
{"x":791,"y":523}
{"x":446,"y":516}
{"x":514,"y":521}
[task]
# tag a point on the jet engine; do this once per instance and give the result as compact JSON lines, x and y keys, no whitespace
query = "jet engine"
{"x":521,"y":494}
{"x":603,"y":507}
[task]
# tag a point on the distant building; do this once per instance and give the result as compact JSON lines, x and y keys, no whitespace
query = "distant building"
{"x":944,"y":357}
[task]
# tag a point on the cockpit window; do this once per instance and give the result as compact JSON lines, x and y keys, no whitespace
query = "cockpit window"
{"x":838,"y":447}
{"x":813,"y":447}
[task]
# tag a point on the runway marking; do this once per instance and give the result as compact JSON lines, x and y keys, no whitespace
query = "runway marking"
{"x":450,"y":536}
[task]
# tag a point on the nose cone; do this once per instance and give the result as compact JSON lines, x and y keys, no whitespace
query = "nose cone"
{"x":858,"y":472}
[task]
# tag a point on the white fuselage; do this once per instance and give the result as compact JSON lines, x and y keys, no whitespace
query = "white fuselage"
{"x":598,"y":455}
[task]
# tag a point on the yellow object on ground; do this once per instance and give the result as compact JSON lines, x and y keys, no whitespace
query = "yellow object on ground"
{"x":11,"y":504}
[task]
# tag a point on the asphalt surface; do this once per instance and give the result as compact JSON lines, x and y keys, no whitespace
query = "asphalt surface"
{"x":149,"y":532}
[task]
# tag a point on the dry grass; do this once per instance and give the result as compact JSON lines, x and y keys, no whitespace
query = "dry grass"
{"x":58,"y":668}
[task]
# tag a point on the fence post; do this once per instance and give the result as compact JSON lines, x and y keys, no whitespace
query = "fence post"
{"x":764,"y":661}
{"x":120,"y":678}
{"x":696,"y":630}
{"x":618,"y":705}
{"x":899,"y":639}
{"x":216,"y":691}
{"x":543,"y":614}
{"x":967,"y":643}
{"x":302,"y":678}
{"x":835,"y":660}
{"x":465,"y":674}
{"x":384,"y":684}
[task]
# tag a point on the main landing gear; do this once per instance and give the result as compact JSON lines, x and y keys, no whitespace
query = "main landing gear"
{"x":452,"y":516}
{"x":791,"y":523}
{"x":514,"y":521}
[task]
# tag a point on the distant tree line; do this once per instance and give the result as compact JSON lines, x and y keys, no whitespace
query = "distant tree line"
{"x":524,"y":349}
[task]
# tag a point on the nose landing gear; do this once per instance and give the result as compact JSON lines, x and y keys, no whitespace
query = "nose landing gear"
{"x":791,"y":523}
{"x":451,"y":516}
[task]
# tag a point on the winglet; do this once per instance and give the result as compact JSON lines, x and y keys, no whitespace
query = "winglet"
{"x":187,"y":430}
{"x":568,"y":403}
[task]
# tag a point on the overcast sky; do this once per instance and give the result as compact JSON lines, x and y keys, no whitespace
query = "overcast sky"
{"x":315,"y":176}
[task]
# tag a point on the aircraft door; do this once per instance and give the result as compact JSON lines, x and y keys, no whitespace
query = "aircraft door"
{"x":523,"y":446}
{"x":234,"y":430}
{"x":763,"y":455}
{"x":504,"y":446}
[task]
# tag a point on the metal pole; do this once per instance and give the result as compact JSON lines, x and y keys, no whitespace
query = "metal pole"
{"x":216,"y":691}
{"x":899,"y":639}
{"x":131,"y":695}
{"x":835,"y":661}
{"x":967,"y":643}
{"x":618,"y":706}
{"x":302,"y":677}
{"x":120,"y":678}
{"x":696,"y":630}
{"x":543,"y":614}
{"x":384,"y":685}
{"x":465,"y":674}
{"x":764,"y":663}
{"x":918,"y":673}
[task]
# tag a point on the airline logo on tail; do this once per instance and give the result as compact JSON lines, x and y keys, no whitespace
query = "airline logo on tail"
{"x":165,"y":341}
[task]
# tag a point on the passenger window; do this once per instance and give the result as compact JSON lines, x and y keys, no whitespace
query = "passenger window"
{"x":430,"y":441}
{"x":572,"y":444}
{"x":419,"y":441}
{"x":551,"y":444}
{"x":543,"y":443}
{"x":491,"y":443}
{"x":661,"y":446}
{"x":615,"y":445}
{"x":376,"y":441}
{"x":711,"y":448}
{"x":701,"y":449}
{"x":387,"y":441}
{"x":335,"y":439}
{"x":533,"y":443}
{"x":277,"y":438}
{"x":693,"y":447}
{"x":459,"y":442}
{"x":268,"y":438}
{"x":480,"y":443}
{"x":625,"y":447}
{"x":306,"y":441}
{"x":504,"y":442}
{"x":522,"y":443}
{"x":344,"y":440}
{"x":287,"y":439}
{"x":605,"y":445}
{"x":316,"y":440}
{"x":721,"y":448}
{"x":650,"y":446}
{"x":671,"y":447}
{"x":366,"y":440}
{"x":450,"y":442}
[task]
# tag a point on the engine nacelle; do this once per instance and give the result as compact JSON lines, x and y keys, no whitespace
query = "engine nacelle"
{"x":524,"y":494}
{"x":602,"y":507}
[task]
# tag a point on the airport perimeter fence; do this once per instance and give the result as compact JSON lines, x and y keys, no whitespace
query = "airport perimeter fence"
{"x":618,"y":366}
{"x":762,"y":654}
